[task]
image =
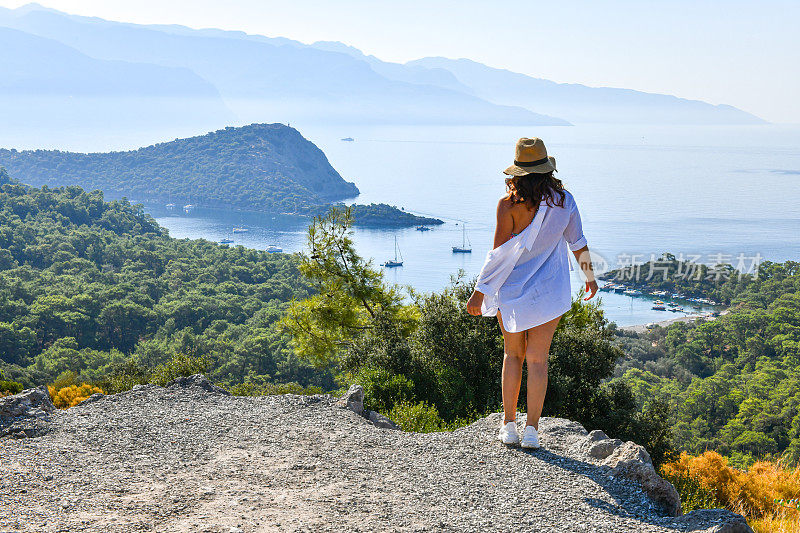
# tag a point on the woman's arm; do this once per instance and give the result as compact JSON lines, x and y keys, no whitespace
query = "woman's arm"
{"x":585,"y":262}
{"x":573,"y":233}
{"x":502,"y":234}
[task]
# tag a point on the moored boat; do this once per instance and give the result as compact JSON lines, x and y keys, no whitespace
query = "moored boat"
{"x":391,"y":263}
{"x":464,"y":240}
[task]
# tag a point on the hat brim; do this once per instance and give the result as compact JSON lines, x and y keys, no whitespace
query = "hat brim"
{"x":544,"y":168}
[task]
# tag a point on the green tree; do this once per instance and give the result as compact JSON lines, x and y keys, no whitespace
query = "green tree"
{"x":350,"y":293}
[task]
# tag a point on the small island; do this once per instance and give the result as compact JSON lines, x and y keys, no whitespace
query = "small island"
{"x":384,"y":215}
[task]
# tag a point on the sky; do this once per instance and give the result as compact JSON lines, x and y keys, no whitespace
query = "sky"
{"x":721,"y":51}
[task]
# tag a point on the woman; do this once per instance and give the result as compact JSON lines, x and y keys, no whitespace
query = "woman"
{"x":525,"y":280}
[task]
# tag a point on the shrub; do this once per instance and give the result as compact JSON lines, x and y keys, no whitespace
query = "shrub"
{"x":694,"y":493}
{"x":65,"y":379}
{"x":419,"y":417}
{"x":9,"y":387}
{"x":71,"y":395}
{"x":126,"y":375}
{"x":383,"y":389}
{"x":180,"y":365}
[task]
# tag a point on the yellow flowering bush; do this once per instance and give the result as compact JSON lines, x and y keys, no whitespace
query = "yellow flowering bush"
{"x":71,"y":395}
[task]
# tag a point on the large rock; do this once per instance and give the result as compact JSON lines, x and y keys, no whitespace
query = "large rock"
{"x":723,"y":521}
{"x":381,"y":421}
{"x":353,"y":399}
{"x":19,"y":408}
{"x":596,"y":445}
{"x":633,"y":462}
{"x":596,"y":435}
{"x":602,"y":449}
{"x":28,"y":403}
{"x":628,"y":454}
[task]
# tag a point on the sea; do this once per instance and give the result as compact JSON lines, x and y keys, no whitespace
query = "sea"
{"x":711,"y":194}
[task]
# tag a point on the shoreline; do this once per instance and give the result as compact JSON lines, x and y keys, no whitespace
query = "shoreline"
{"x":642,"y":328}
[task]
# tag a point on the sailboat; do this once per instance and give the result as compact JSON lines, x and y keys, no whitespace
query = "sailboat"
{"x":463,"y":248}
{"x":390,"y":263}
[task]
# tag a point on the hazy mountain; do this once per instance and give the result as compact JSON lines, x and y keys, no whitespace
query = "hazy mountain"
{"x":579,"y":103}
{"x":276,"y":79}
{"x":49,"y":67}
{"x":272,"y":79}
{"x":46,"y":83}
{"x":397,"y":71}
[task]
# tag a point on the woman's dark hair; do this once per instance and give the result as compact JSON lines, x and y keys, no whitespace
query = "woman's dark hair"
{"x":533,"y":188}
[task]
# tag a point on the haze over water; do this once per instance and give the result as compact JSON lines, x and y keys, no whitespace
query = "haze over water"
{"x":641,"y":189}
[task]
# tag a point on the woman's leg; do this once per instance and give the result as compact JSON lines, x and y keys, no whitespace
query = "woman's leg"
{"x":514,"y":348}
{"x":536,"y":352}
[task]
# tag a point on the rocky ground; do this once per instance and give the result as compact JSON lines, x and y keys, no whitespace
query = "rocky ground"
{"x":191,"y":458}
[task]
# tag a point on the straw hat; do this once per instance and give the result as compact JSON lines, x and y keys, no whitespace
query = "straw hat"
{"x":531,"y":158}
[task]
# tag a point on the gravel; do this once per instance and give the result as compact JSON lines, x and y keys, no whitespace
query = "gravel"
{"x":190,"y":458}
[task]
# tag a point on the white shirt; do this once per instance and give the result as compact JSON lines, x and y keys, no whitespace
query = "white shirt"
{"x":527,"y":278}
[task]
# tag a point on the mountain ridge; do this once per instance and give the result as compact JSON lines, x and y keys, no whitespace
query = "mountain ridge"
{"x":53,"y":85}
{"x":260,"y":79}
{"x":582,"y":103}
{"x":268,"y":78}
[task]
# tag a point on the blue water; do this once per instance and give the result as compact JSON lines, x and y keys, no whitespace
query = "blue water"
{"x":641,"y":189}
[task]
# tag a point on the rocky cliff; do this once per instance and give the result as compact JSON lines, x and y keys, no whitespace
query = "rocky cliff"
{"x":190,"y":457}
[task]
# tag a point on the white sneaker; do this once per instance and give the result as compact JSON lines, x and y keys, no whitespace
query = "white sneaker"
{"x":530,"y":438}
{"x":508,"y":434}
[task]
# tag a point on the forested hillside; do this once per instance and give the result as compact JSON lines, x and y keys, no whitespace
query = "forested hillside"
{"x":733,"y":383}
{"x":261,"y":167}
{"x":92,"y":287}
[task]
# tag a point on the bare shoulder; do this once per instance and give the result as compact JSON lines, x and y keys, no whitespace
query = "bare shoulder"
{"x":505,"y":205}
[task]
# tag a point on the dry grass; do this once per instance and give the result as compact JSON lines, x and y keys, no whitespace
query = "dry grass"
{"x":781,"y":522}
{"x":766,"y":494}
